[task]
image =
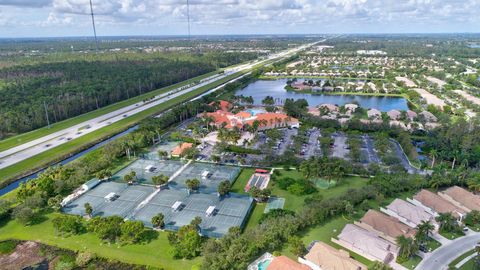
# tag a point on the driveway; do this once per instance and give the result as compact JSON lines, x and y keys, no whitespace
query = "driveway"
{"x":441,"y":257}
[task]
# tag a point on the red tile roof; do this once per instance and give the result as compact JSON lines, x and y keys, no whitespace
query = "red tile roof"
{"x":285,"y":263}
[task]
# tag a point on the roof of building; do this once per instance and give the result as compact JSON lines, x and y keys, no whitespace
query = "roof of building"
{"x":437,"y":203}
{"x":285,"y":263}
{"x":429,"y":116}
{"x":330,"y":107}
{"x":240,"y":119}
{"x":464,"y":197}
{"x":178,"y":150}
{"x":329,"y":258}
{"x":411,"y":114}
{"x":390,"y":226}
{"x":222,"y":104}
{"x":394,"y":114}
{"x":411,"y":212}
{"x":351,"y":106}
{"x":367,"y":241}
{"x":374,"y":112}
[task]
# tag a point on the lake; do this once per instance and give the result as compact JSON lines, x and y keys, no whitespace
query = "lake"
{"x":275,"y":88}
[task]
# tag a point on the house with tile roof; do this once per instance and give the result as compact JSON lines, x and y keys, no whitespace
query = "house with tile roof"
{"x":367,"y":244}
{"x":435,"y":204}
{"x":461,"y":198}
{"x":407,"y":213}
{"x":387,"y":227}
{"x":266,"y":120}
{"x":285,"y":263}
{"x":374,"y":114}
{"x":394,"y":114}
{"x":179,"y":149}
{"x":324,"y":257}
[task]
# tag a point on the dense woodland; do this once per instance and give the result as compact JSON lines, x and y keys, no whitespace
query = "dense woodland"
{"x":78,"y":86}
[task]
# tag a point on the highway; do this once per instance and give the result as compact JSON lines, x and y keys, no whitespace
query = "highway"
{"x":29,"y":149}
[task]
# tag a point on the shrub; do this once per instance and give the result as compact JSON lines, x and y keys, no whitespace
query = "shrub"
{"x":84,"y":258}
{"x":7,"y":247}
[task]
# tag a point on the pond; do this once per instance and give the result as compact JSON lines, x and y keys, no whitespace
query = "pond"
{"x":275,"y":88}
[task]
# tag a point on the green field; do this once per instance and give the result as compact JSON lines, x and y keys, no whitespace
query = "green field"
{"x":58,"y":153}
{"x":38,"y":133}
{"x":157,"y":253}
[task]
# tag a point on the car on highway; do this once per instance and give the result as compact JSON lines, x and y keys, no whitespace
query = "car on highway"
{"x":48,"y":145}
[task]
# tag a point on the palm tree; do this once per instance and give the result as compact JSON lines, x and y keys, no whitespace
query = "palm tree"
{"x":424,"y":229}
{"x":447,"y":222}
{"x":407,"y":246}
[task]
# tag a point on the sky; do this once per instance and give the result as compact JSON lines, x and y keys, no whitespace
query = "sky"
{"x":57,"y":18}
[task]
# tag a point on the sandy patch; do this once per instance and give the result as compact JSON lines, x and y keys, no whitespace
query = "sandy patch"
{"x":436,"y":81}
{"x":468,"y":97}
{"x":430,"y":98}
{"x":407,"y":81}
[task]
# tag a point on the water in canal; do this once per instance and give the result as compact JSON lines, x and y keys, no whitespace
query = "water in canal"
{"x":15,"y":184}
{"x":276,"y":88}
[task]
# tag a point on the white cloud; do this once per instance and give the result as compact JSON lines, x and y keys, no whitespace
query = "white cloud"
{"x":260,"y":16}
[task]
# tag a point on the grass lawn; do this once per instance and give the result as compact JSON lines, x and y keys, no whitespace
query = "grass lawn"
{"x":156,"y":253}
{"x":35,"y":134}
{"x":469,"y":265}
{"x":242,"y":179}
{"x":451,"y":235}
{"x":460,"y":258}
{"x":412,"y":262}
{"x":294,"y":202}
{"x":255,"y":215}
{"x":57,"y":153}
{"x":432,"y":244}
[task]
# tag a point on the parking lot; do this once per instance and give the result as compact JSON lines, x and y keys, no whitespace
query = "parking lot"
{"x":340,"y":147}
{"x":312,"y":147}
{"x":286,"y":141}
{"x":369,"y":150}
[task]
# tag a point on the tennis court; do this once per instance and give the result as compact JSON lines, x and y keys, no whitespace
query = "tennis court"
{"x":146,"y":169}
{"x":209,"y":175}
{"x":128,"y":199}
{"x":324,"y":184}
{"x":274,"y":203}
{"x":229,"y":211}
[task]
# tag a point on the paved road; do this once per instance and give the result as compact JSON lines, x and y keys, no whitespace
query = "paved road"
{"x":29,"y":149}
{"x":404,"y":159}
{"x":441,"y":257}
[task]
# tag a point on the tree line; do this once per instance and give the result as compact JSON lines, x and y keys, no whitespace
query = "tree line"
{"x":70,"y":88}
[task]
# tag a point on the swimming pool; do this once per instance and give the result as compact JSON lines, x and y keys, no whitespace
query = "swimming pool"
{"x":253,"y":112}
{"x":263,"y":265}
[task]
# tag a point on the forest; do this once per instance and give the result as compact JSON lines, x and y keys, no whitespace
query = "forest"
{"x":84,"y":83}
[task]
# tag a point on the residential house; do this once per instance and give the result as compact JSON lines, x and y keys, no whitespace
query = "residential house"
{"x":331,"y":108}
{"x":394,"y":114}
{"x":350,"y":108}
{"x":428,"y":116}
{"x":285,"y":263}
{"x":461,"y":198}
{"x":324,"y":257}
{"x":410,"y":214}
{"x":367,"y":244}
{"x":387,"y":227}
{"x":179,"y":149}
{"x":411,"y":115}
{"x":435,"y":204}
{"x":374,"y":114}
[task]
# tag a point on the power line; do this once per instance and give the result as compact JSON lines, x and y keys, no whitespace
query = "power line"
{"x":93,"y":23}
